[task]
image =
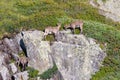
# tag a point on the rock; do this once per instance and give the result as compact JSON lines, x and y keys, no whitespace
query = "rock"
{"x":38,"y":51}
{"x":21,"y":76}
{"x":13,"y":68}
{"x":0,"y":42}
{"x":17,"y":38}
{"x":76,"y":56}
{"x":4,"y":58}
{"x":4,"y":72}
{"x":1,"y":78}
{"x":57,"y":76}
{"x":2,"y":47}
{"x":108,"y":8}
{"x":11,"y":45}
{"x":37,"y":35}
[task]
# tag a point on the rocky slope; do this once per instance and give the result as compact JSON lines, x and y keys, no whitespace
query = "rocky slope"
{"x":76,"y":56}
{"x":108,"y":8}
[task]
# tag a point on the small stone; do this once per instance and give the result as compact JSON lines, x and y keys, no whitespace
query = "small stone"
{"x":13,"y":67}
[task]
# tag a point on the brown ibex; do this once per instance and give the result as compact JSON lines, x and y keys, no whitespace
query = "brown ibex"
{"x":22,"y":62}
{"x":76,"y":24}
{"x":51,"y":30}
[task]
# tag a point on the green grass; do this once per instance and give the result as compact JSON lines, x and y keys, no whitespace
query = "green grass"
{"x":38,"y":14}
{"x":106,"y":34}
{"x":49,"y":73}
{"x":33,"y":73}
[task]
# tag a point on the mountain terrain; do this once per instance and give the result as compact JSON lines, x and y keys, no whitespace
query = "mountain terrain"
{"x":101,"y":32}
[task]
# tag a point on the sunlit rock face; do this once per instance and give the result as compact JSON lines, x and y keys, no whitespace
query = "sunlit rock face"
{"x":108,"y":8}
{"x":4,"y":71}
{"x":38,"y":51}
{"x":76,"y":56}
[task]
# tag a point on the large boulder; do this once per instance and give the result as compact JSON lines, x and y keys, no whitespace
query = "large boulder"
{"x":108,"y":8}
{"x":38,"y":51}
{"x":76,"y":56}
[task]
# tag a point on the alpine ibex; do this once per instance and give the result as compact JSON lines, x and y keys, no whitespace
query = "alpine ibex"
{"x":22,"y":62}
{"x":77,"y":24}
{"x":51,"y":30}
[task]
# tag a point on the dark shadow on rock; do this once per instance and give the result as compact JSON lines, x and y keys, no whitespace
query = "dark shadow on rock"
{"x":1,"y":78}
{"x":58,"y":76}
{"x":22,"y":45}
{"x":12,"y":78}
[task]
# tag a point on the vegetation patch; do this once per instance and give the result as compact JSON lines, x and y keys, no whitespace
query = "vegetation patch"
{"x":49,"y":73}
{"x":39,"y":14}
{"x":45,"y":75}
{"x":32,"y":72}
{"x":106,"y":34}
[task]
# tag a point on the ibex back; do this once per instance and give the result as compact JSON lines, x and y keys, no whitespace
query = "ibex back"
{"x":77,"y":24}
{"x":51,"y":30}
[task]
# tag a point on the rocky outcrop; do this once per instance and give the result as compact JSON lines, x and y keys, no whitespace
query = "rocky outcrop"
{"x":108,"y":8}
{"x":38,"y":51}
{"x":76,"y":56}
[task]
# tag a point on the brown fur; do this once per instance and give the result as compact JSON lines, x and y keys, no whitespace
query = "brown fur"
{"x":22,"y":62}
{"x":77,"y":24}
{"x":51,"y":30}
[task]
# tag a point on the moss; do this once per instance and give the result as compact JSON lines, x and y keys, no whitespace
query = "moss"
{"x":21,"y":54}
{"x":49,"y":73}
{"x":50,"y":37}
{"x":32,"y":72}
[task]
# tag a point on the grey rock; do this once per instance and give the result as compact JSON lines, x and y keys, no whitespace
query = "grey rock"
{"x":13,"y":67}
{"x":11,"y":45}
{"x":108,"y":8}
{"x":38,"y":51}
{"x":76,"y":56}
{"x":4,"y":58}
{"x":4,"y":72}
{"x":21,"y":76}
